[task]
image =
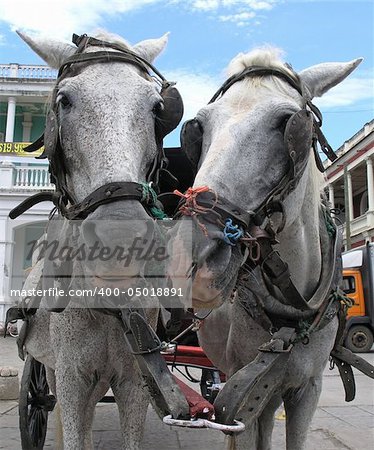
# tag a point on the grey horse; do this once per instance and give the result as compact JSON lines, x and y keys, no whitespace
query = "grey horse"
{"x":238,"y":145}
{"x":106,"y":126}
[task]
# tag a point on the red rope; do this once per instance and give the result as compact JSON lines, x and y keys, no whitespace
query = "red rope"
{"x":191,"y":207}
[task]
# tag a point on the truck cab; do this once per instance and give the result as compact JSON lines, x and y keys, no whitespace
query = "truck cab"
{"x":358,"y":284}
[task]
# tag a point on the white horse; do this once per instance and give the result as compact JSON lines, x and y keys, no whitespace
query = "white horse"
{"x":238,"y":145}
{"x":106,"y":112}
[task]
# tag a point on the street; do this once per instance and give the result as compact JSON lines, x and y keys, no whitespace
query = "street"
{"x":336,"y":425}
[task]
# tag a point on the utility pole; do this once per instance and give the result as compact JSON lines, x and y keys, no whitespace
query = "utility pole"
{"x":347,"y":210}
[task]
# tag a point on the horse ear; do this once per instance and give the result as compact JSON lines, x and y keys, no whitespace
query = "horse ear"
{"x":151,"y":48}
{"x":53,"y":52}
{"x":322,"y":77}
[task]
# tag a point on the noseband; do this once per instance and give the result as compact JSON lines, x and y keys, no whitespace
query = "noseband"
{"x":166,"y":121}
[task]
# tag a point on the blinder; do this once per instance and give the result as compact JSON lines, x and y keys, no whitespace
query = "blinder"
{"x":172,"y":112}
{"x":191,"y":141}
{"x":298,"y":138}
{"x":51,"y":137}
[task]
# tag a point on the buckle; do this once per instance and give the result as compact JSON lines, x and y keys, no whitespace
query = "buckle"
{"x":281,"y":342}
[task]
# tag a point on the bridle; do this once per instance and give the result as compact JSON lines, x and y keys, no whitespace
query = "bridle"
{"x":253,"y":228}
{"x":166,"y":121}
{"x":303,"y":126}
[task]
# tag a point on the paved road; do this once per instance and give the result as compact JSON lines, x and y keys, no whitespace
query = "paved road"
{"x":336,"y":425}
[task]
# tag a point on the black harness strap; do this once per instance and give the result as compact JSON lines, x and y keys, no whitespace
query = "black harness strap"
{"x":166,"y":396}
{"x":111,"y":192}
{"x":277,"y":271}
{"x":254,"y":385}
{"x":258,"y":71}
{"x":29,"y":202}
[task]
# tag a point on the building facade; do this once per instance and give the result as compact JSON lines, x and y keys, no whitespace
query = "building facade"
{"x":357,"y":156}
{"x":24,"y":93}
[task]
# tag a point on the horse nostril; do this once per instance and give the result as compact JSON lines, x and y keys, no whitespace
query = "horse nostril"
{"x":205,"y":252}
{"x":90,"y":235}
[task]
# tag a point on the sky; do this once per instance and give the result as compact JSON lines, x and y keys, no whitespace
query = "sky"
{"x":206,"y":34}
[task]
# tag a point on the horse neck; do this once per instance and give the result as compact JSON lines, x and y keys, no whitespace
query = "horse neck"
{"x":299,"y":243}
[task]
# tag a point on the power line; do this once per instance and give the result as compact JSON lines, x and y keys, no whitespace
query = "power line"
{"x":348,"y":111}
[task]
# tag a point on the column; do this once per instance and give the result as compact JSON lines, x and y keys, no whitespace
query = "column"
{"x":6,"y":174}
{"x":331,"y":196}
{"x":27,"y":124}
{"x":350,"y":196}
{"x":10,"y":119}
{"x":370,"y":183}
{"x":5,"y":251}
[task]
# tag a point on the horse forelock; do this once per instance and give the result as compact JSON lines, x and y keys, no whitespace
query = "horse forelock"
{"x":266,"y":56}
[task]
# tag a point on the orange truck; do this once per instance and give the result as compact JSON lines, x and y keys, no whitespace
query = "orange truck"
{"x":358,"y":284}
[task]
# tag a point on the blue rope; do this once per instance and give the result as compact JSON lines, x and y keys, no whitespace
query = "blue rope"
{"x":231,"y":233}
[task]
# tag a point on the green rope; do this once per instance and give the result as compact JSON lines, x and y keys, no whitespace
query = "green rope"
{"x":330,"y":225}
{"x":158,"y":213}
{"x":306,"y":327}
{"x":149,"y":197}
{"x":340,"y":296}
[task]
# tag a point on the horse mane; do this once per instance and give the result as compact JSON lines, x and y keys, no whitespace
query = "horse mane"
{"x":265,"y":56}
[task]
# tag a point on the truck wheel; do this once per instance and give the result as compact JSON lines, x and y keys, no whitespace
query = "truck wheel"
{"x":359,"y":339}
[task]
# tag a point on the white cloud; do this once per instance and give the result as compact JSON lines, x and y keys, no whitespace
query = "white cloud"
{"x":205,"y":5}
{"x":350,"y":91}
{"x":60,"y":18}
{"x":239,"y":12}
{"x":253,"y":4}
{"x":240,"y":19}
{"x":196,"y":89}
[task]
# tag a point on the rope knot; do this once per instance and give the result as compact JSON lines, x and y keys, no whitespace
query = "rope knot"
{"x":190,"y":206}
{"x":149,"y":198}
{"x":232,"y":233}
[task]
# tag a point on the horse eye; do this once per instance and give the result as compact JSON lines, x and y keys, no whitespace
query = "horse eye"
{"x":283,"y":124}
{"x":158,"y":107}
{"x":63,"y":100}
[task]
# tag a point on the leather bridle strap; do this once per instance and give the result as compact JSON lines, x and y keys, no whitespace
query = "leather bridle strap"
{"x":105,"y":57}
{"x":257,"y":71}
{"x":84,"y":40}
{"x":109,"y":193}
{"x":214,"y":208}
{"x":278,"y":273}
{"x":29,"y":202}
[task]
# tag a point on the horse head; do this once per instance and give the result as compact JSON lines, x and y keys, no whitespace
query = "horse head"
{"x":103,"y":138}
{"x":251,"y":147}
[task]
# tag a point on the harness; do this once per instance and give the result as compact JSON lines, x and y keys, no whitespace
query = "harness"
{"x":256,"y":383}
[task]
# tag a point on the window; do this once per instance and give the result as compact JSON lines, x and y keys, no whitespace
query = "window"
{"x":349,"y":285}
